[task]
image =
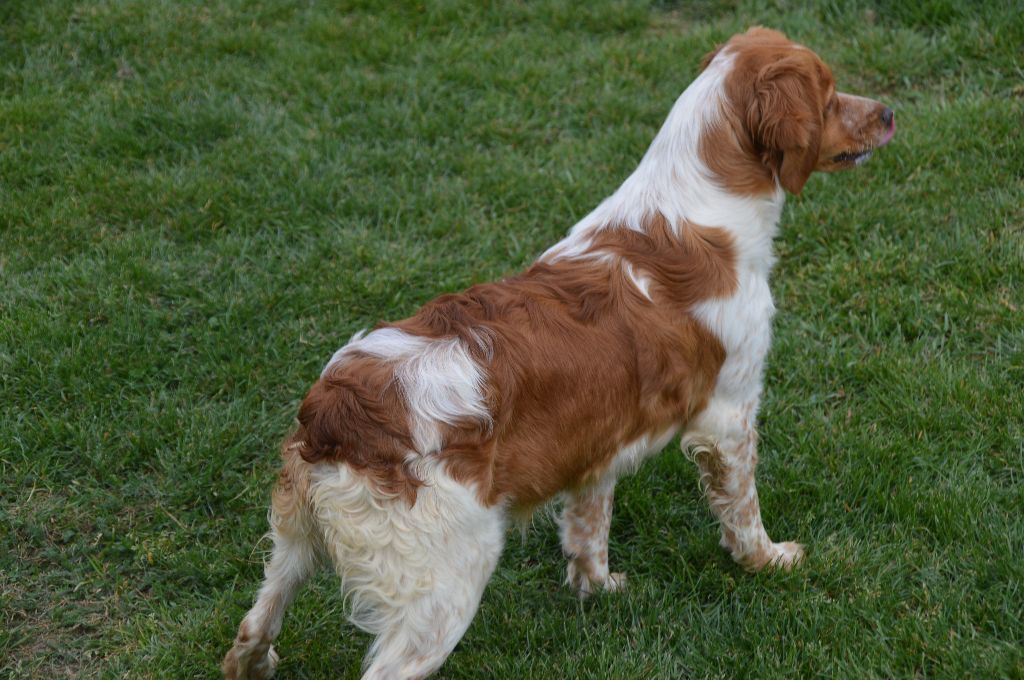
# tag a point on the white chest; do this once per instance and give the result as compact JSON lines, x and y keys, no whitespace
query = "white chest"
{"x":743,"y":324}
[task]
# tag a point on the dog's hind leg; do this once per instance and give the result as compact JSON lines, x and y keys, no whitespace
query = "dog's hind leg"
{"x":292,"y":561}
{"x":419,"y":635}
{"x":413,"y":572}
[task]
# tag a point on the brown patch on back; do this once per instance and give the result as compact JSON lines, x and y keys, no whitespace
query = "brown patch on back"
{"x":686,"y":267}
{"x":579,"y":363}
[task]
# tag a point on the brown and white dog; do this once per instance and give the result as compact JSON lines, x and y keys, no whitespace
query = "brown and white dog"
{"x":651,"y":318}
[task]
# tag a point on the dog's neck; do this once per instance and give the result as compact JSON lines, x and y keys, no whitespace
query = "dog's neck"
{"x":672,"y":180}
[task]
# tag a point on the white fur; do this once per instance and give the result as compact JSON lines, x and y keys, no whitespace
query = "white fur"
{"x":641,"y":281}
{"x":672,"y":180}
{"x":413,"y":574}
{"x":441,"y":382}
{"x":630,"y":456}
{"x":742,"y":323}
{"x":296,"y":554}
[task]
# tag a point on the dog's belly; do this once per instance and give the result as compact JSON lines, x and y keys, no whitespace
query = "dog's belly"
{"x":630,"y":456}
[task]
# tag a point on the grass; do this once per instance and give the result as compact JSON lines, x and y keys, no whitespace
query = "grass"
{"x":200,"y":201}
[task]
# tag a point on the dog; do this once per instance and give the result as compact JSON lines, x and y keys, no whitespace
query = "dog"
{"x":423,"y":438}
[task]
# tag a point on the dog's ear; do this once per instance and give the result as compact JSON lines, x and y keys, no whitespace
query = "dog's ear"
{"x":785,"y":120}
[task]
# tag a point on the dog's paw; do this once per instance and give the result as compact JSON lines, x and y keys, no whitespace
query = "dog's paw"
{"x":250,"y":662}
{"x":616,"y":582}
{"x":786,"y":555}
{"x":586,"y":585}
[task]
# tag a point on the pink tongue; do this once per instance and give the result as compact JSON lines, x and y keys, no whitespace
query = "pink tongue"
{"x":890,"y":133}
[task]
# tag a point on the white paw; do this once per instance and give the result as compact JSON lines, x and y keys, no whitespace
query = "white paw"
{"x":786,"y":555}
{"x":584,"y":585}
{"x":616,"y":582}
{"x":239,"y":663}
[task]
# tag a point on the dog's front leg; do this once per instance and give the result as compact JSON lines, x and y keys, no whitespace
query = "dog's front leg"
{"x":585,"y":522}
{"x":723,"y":442}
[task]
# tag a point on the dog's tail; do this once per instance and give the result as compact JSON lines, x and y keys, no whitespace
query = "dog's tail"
{"x":355,"y":414}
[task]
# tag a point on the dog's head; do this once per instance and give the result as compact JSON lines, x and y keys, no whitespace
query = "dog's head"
{"x":786,"y":114}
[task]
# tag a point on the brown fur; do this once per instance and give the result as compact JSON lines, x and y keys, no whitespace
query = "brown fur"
{"x":783,"y":117}
{"x":579,"y":363}
{"x":355,"y":413}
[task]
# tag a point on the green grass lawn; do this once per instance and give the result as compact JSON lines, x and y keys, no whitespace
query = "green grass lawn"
{"x":199,"y":202}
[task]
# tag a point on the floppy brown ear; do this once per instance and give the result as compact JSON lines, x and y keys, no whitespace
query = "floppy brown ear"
{"x":785,"y":120}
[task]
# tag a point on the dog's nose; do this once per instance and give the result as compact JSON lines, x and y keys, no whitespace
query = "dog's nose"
{"x":887,"y":116}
